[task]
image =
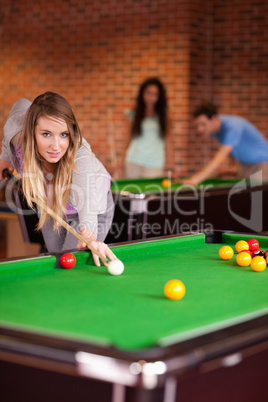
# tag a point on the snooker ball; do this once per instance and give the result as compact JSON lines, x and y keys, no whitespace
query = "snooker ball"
{"x":241,"y":245}
{"x":260,"y":253}
{"x":174,"y":289}
{"x":258,"y":264}
{"x":166,"y":183}
{"x":226,"y":252}
{"x":253,"y":244}
{"x":67,"y":260}
{"x":115,"y":267}
{"x":243,"y":259}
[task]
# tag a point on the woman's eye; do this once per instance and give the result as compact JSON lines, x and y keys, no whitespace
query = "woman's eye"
{"x":46,"y":134}
{"x":64,"y":135}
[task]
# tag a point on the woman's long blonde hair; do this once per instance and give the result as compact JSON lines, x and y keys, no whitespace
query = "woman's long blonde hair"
{"x":34,"y":183}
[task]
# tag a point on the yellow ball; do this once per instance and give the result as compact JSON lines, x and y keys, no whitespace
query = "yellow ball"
{"x":243,"y":259}
{"x":241,"y":245}
{"x":226,"y":252}
{"x":166,"y":183}
{"x":174,"y":289}
{"x":258,"y":264}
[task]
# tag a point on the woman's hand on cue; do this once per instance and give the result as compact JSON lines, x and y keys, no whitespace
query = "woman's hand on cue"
{"x":98,"y":245}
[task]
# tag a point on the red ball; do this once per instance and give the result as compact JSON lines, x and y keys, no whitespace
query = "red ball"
{"x":253,"y":244}
{"x":67,"y":260}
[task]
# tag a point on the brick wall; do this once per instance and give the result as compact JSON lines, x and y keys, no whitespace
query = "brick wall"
{"x":96,"y":54}
{"x":200,"y":83}
{"x":240,"y":59}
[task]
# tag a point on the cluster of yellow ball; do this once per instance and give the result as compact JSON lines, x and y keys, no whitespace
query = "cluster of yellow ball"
{"x":244,"y":258}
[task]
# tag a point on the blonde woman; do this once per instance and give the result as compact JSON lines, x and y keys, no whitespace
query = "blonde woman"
{"x":43,"y":142}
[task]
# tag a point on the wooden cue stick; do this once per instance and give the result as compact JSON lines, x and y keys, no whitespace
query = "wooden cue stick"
{"x":68,"y":228}
{"x":6,"y":173}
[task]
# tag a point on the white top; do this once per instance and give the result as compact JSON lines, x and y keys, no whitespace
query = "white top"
{"x":148,"y":149}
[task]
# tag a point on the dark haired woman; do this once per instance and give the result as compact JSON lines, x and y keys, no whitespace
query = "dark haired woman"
{"x":148,"y":126}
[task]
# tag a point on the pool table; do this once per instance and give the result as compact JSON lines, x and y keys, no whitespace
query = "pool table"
{"x":145,"y":209}
{"x":83,"y":334}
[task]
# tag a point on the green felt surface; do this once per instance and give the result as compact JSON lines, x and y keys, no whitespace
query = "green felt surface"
{"x":138,"y":186}
{"x":130,"y":311}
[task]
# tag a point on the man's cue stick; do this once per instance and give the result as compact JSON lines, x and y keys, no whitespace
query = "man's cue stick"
{"x":6,"y":173}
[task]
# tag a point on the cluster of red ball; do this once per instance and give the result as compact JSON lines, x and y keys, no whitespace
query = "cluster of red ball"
{"x":249,"y":254}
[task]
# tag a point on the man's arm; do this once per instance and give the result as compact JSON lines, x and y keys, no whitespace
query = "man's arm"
{"x":220,"y":156}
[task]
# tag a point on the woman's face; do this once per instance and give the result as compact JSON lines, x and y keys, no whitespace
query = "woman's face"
{"x":52,"y":138}
{"x":151,"y":95}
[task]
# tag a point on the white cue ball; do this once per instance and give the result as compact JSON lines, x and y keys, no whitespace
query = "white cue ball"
{"x":115,"y":267}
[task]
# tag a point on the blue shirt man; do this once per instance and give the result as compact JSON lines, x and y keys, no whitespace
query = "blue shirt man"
{"x":238,"y":137}
{"x":249,"y":145}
